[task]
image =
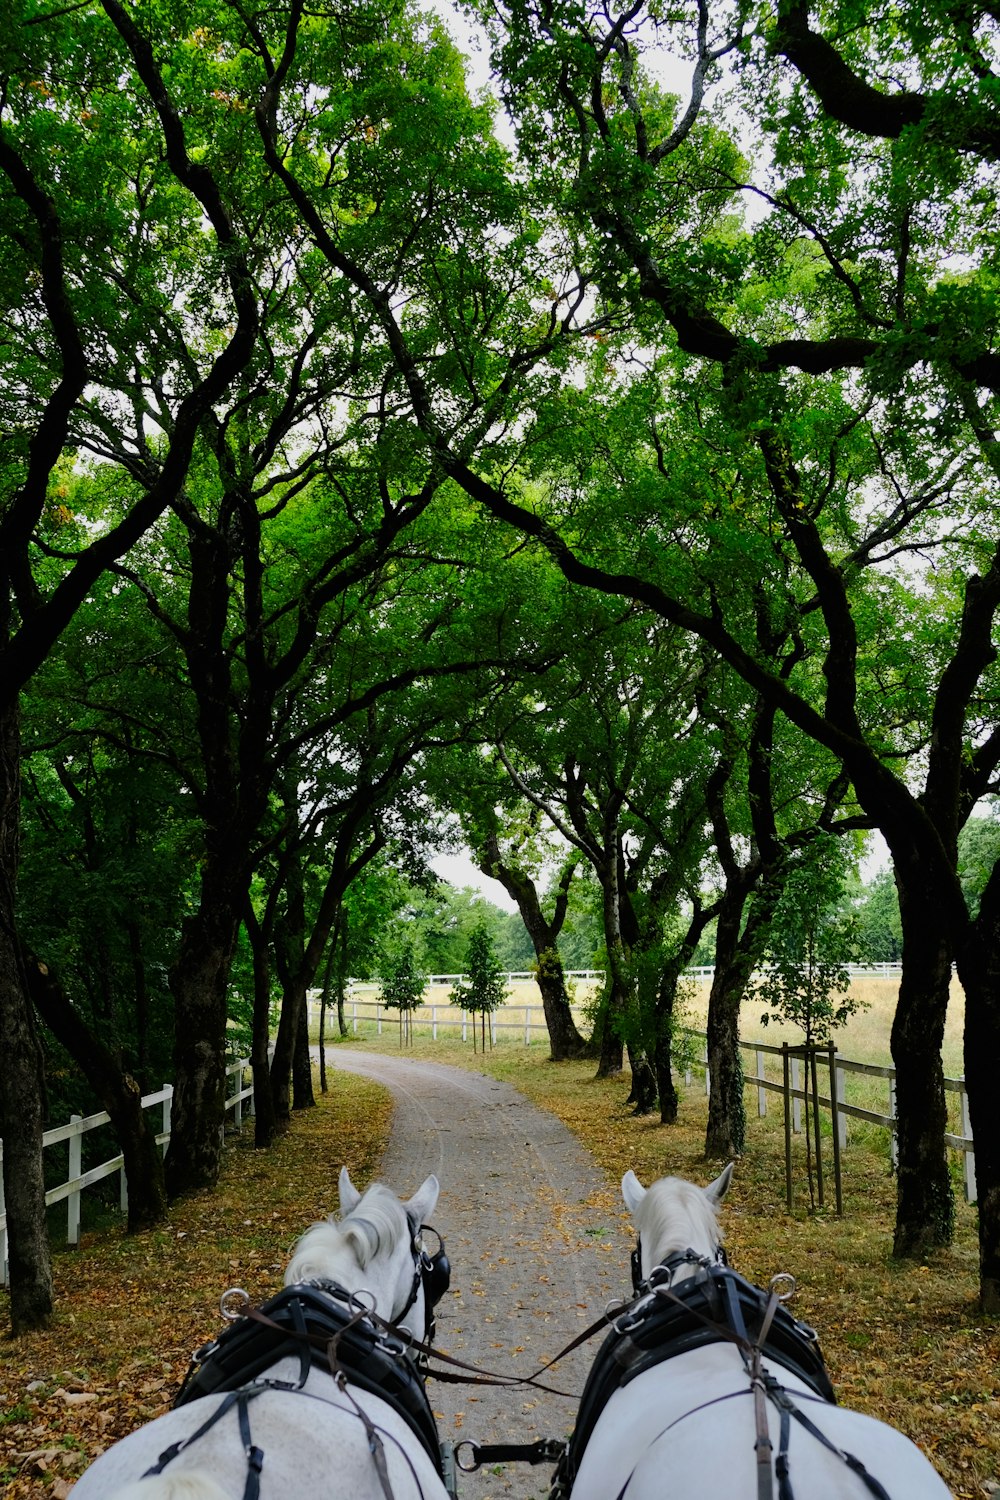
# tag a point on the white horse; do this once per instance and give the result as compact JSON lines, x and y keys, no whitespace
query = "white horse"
{"x":316,"y":1435}
{"x":695,"y":1422}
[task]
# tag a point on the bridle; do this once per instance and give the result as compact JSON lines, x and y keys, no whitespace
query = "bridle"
{"x":430,"y":1272}
{"x":669,"y":1264}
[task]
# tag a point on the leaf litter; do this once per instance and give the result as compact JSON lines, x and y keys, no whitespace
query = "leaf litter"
{"x":130,"y":1309}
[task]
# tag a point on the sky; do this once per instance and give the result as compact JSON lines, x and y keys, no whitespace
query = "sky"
{"x":459,"y":871}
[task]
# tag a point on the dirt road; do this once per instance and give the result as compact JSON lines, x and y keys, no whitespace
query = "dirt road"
{"x":536,"y":1242}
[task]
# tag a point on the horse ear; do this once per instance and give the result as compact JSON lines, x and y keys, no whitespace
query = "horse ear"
{"x":424,"y":1201}
{"x":349,"y":1195}
{"x":717,"y":1190}
{"x":632,"y":1191}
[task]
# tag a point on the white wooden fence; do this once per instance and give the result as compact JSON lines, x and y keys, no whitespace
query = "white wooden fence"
{"x":522,"y":1020}
{"x":70,"y":1190}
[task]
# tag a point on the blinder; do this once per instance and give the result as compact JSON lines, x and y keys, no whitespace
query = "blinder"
{"x":432,"y":1274}
{"x":435,"y":1270}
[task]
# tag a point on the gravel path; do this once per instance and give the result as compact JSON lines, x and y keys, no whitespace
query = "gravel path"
{"x":536,"y":1245}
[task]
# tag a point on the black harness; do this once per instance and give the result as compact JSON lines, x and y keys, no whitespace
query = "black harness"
{"x":711,"y":1306}
{"x":328,"y":1328}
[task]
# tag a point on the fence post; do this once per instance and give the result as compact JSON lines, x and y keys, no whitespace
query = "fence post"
{"x":761,"y":1091}
{"x":786,"y":1095}
{"x":168,"y":1100}
{"x":354,"y":1016}
{"x":841,"y":1087}
{"x":893,"y":1143}
{"x":835,"y":1117}
{"x":527,"y":1025}
{"x":378,"y":1018}
{"x":708,"y":1076}
{"x":796,"y":1101}
{"x":75,"y":1168}
{"x":969,"y":1152}
{"x":238,"y":1107}
{"x":434,"y":1020}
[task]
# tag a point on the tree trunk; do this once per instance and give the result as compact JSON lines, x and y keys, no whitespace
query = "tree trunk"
{"x":117,"y":1090}
{"x":643,"y":1094}
{"x":666,"y":998}
{"x":22,"y":1089}
{"x":324,"y":1003}
{"x":302,"y":1080}
{"x":666,"y":1089}
{"x":288,"y":950}
{"x":565,"y":1040}
{"x":611,"y":1057}
{"x":979,"y":970}
{"x":284,"y":1056}
{"x":725,"y":1133}
{"x":264,"y":1124}
{"x":618,"y":988}
{"x":199,"y":981}
{"x":925,"y":1208}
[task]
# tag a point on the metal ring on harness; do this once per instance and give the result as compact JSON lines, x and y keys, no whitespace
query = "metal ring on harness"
{"x":783,"y":1278}
{"x":233,"y":1314}
{"x":469,"y":1468}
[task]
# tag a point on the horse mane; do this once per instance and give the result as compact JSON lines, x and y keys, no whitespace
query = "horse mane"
{"x":676,"y":1215}
{"x":378,"y":1222}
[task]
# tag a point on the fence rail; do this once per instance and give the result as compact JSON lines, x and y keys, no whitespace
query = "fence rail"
{"x":79,"y":1125}
{"x":842,"y":1067}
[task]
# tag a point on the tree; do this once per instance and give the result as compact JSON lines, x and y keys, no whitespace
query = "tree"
{"x":482,"y":990}
{"x":60,"y":243}
{"x":402,"y":985}
{"x":811,"y":941}
{"x":508,"y":843}
{"x":881,"y":308}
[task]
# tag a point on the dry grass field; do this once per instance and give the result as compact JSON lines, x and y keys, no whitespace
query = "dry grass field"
{"x":865,"y":1037}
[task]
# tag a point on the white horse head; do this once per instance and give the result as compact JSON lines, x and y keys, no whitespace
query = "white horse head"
{"x":671,"y":1408}
{"x":675,"y":1215}
{"x":374,"y":1248}
{"x":314,"y":1438}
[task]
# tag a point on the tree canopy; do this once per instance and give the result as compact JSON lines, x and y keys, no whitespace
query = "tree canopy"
{"x":623,"y":469}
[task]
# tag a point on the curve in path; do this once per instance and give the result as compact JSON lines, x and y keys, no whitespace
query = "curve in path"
{"x":536,"y":1243}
